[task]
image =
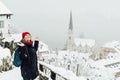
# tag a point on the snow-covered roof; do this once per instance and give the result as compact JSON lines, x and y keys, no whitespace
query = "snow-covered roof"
{"x":4,"y":9}
{"x":84,"y":42}
{"x":112,"y":44}
{"x":104,"y":62}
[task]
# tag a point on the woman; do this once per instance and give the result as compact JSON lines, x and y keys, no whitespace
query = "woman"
{"x":29,"y":68}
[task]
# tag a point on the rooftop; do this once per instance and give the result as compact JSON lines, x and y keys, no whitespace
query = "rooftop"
{"x":4,"y":10}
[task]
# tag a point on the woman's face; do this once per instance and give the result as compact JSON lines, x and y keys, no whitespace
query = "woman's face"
{"x":27,"y":37}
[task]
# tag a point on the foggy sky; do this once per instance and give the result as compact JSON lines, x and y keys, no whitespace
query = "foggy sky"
{"x":49,"y":19}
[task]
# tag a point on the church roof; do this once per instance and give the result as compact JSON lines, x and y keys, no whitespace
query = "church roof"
{"x":84,"y":42}
{"x":4,"y":10}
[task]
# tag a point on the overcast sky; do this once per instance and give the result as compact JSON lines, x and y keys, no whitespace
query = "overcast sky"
{"x":49,"y":19}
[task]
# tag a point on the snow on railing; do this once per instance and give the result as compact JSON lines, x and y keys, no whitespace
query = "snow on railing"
{"x":50,"y":72}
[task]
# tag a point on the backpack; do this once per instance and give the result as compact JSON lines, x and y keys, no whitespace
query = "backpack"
{"x":17,"y":61}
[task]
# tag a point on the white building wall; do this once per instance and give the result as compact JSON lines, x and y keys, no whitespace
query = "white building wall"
{"x":6,"y":25}
{"x":70,"y":41}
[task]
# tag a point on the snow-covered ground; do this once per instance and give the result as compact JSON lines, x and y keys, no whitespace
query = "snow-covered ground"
{"x":12,"y":74}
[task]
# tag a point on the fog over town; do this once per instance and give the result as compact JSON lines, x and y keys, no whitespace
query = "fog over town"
{"x":49,"y":19}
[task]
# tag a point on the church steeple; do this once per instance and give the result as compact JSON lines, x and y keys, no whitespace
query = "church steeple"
{"x":71,"y":23}
{"x":70,"y":45}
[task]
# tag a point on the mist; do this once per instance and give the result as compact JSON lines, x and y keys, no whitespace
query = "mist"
{"x":49,"y":19}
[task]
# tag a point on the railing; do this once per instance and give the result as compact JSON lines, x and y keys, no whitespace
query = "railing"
{"x":48,"y":72}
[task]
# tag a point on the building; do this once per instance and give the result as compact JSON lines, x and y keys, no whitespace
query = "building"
{"x":77,"y":44}
{"x":110,"y":47}
{"x":70,"y":44}
{"x":5,"y":16}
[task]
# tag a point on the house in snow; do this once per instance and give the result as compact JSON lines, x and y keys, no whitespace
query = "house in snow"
{"x":110,"y":47}
{"x":78,"y":44}
{"x":5,"y":16}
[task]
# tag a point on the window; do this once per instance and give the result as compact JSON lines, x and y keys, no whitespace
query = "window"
{"x":1,"y":24}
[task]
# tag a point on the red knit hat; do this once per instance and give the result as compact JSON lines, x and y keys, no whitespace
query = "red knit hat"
{"x":24,"y":33}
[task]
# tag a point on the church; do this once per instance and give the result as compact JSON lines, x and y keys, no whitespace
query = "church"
{"x":78,"y":44}
{"x":5,"y":17}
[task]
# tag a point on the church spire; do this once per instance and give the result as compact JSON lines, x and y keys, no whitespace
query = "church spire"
{"x":71,"y":23}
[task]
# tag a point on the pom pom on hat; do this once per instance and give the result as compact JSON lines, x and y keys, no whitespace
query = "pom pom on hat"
{"x":24,"y":33}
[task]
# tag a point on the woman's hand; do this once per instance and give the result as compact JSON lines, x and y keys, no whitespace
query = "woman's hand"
{"x":20,"y":44}
{"x":37,"y":38}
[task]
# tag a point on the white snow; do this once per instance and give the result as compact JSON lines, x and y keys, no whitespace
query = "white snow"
{"x":112,"y":44}
{"x":18,"y":37}
{"x":4,"y":9}
{"x":94,"y":70}
{"x":43,"y":47}
{"x":63,"y":72}
{"x":11,"y":75}
{"x":4,"y":53}
{"x":15,"y":37}
{"x":84,"y":42}
{"x":103,"y":69}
